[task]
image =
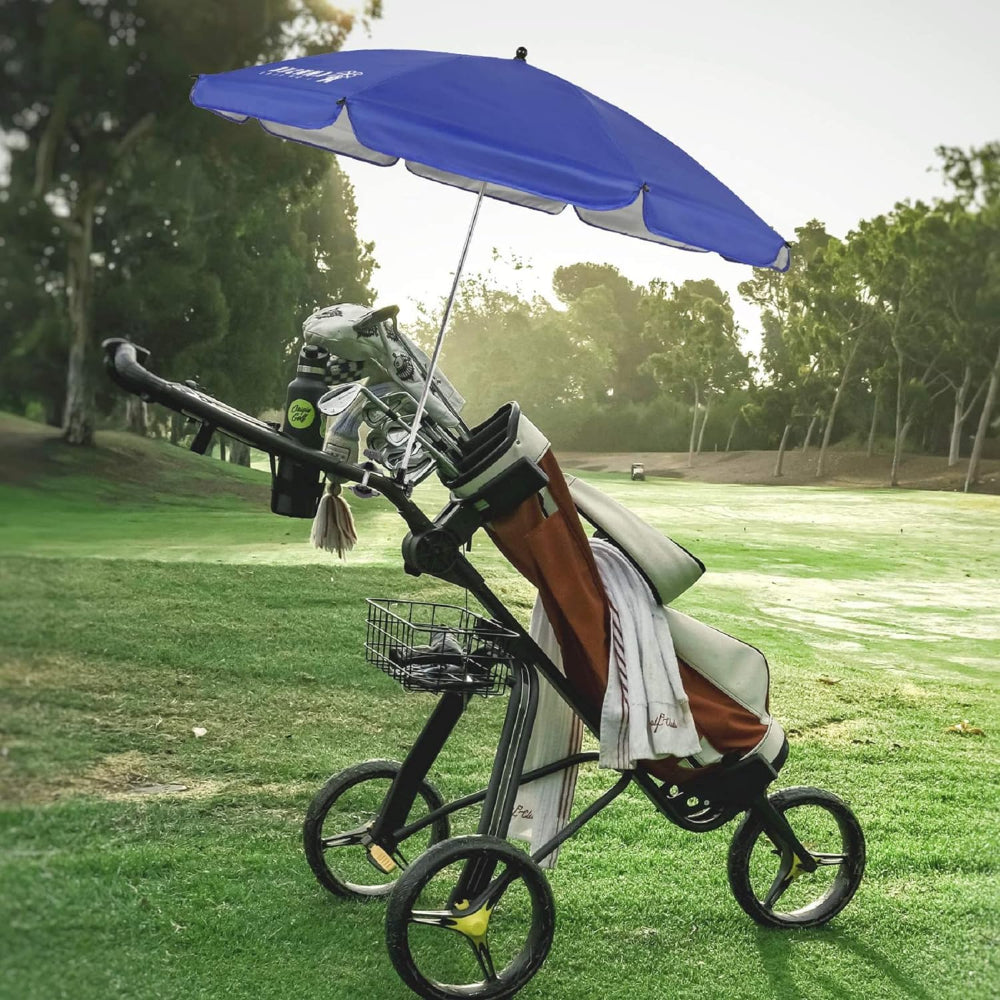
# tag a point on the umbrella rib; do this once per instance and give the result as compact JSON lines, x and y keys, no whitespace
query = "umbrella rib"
{"x":415,"y":429}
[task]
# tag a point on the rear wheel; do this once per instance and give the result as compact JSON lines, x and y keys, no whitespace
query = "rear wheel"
{"x":342,"y":813}
{"x":768,"y":880}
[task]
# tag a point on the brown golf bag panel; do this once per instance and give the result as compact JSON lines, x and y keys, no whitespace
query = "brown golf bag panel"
{"x":547,"y":544}
{"x":552,"y":552}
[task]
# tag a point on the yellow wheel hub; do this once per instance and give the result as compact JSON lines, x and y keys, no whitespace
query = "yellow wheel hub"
{"x":472,"y":925}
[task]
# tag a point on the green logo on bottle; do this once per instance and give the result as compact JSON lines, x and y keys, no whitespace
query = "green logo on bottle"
{"x":301,"y":413}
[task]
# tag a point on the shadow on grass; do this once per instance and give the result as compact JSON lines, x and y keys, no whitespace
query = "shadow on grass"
{"x":777,"y":957}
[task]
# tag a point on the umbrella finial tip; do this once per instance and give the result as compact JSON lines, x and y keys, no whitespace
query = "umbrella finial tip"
{"x":521,"y":53}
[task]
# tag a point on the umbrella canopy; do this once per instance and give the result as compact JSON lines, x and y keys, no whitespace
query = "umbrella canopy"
{"x":505,"y":129}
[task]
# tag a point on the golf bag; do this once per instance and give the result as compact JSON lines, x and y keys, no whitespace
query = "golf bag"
{"x":726,"y":681}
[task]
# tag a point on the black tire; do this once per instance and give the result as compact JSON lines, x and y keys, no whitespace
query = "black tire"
{"x":759,"y":872}
{"x":440,"y":961}
{"x":344,"y":806}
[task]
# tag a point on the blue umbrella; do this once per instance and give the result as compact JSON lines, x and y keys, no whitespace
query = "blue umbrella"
{"x":503,"y":129}
{"x":532,"y":137}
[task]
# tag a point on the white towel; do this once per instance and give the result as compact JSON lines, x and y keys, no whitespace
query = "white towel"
{"x":646,"y":713}
{"x":644,"y":684}
{"x":543,"y":807}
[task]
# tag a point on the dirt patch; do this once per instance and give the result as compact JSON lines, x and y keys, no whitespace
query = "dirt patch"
{"x":844,"y":468}
{"x":128,"y":776}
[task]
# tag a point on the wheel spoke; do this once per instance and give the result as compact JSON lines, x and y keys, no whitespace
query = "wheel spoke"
{"x":482,"y":952}
{"x":781,"y":882}
{"x":828,"y":859}
{"x":433,"y":918}
{"x":348,"y":839}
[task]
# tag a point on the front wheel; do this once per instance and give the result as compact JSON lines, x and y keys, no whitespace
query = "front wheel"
{"x":341,"y":814}
{"x":445,"y":945}
{"x":767,"y":878}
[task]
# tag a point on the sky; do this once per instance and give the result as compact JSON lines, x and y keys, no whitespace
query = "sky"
{"x":804,"y":109}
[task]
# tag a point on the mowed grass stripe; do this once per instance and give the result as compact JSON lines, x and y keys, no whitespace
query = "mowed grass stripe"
{"x":127,"y":622}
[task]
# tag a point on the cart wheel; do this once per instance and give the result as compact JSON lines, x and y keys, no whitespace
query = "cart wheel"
{"x":486,"y":948}
{"x":768,"y":882}
{"x":342,"y":812}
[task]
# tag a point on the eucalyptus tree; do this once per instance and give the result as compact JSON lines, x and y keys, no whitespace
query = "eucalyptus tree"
{"x":955,"y":254}
{"x":503,"y":346}
{"x":694,"y":347}
{"x":610,"y":305}
{"x":84,"y":89}
{"x":892,"y":255}
{"x":833,"y":318}
{"x":987,"y":311}
{"x":789,"y":357}
{"x":975,"y":176}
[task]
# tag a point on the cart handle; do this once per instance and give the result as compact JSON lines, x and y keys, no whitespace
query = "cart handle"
{"x":126,"y":362}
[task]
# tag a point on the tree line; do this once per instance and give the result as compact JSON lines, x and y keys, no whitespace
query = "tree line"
{"x":893,"y":330}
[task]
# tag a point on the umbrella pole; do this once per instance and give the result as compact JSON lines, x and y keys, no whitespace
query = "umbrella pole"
{"x":418,"y":416}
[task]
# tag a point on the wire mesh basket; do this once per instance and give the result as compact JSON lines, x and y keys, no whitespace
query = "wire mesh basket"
{"x":438,"y":647}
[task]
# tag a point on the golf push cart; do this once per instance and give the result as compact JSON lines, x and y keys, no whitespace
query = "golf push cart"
{"x":473,"y":916}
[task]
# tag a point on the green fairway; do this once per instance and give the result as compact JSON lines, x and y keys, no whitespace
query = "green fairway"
{"x":139,"y":605}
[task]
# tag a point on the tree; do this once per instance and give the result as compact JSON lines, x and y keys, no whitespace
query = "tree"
{"x":788,"y":356}
{"x":833,"y":318}
{"x":891,"y":257}
{"x":975,"y":175}
{"x":608,"y":309}
{"x":955,"y":253}
{"x":86,"y":87}
{"x":694,"y":346}
{"x":501,"y":347}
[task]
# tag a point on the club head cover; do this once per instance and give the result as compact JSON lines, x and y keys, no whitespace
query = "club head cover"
{"x":348,"y":332}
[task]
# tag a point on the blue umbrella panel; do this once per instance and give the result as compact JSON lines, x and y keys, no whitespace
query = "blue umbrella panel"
{"x":514,"y":131}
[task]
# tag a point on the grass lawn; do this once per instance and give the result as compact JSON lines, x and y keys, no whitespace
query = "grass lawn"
{"x":137,"y":605}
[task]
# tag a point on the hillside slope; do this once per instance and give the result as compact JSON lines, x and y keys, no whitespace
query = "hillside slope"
{"x":120,"y":466}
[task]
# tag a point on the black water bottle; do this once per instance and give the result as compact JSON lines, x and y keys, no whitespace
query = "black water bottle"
{"x":296,"y":488}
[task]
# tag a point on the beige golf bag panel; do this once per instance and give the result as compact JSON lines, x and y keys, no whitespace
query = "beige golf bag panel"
{"x":726,"y":680}
{"x":667,"y":567}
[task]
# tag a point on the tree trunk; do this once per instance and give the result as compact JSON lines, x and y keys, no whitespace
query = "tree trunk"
{"x":897,"y":445}
{"x":222,"y":448}
{"x":972,"y":475}
{"x":239,"y":453}
{"x":874,"y":426}
{"x":732,"y":431}
{"x":694,"y":428}
{"x":781,"y":451}
{"x":809,"y":432}
{"x":136,"y":415}
{"x":704,"y":420}
{"x":828,"y":431}
{"x":897,"y":454}
{"x":78,"y":415}
{"x":958,"y":418}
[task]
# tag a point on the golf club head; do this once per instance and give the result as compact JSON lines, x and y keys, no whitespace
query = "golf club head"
{"x":339,"y":398}
{"x":397,"y":436}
